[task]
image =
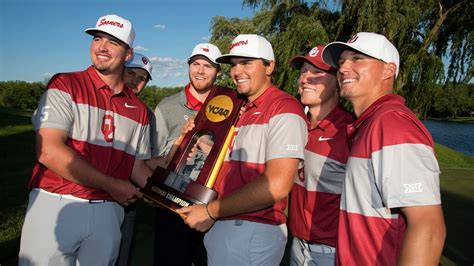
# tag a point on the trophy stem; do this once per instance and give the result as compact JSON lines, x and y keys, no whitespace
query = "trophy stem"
{"x":220,"y":159}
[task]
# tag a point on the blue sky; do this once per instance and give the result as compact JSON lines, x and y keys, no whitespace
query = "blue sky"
{"x":41,"y":38}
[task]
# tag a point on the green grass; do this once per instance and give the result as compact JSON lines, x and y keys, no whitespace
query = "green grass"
{"x":18,"y":155}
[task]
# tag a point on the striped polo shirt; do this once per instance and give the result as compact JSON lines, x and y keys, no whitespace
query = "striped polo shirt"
{"x":273,"y":126}
{"x":108,"y":131}
{"x":315,"y":197}
{"x":391,"y":165}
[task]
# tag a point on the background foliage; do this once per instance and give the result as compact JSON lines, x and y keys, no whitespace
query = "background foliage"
{"x":25,"y":96}
{"x":435,"y":40}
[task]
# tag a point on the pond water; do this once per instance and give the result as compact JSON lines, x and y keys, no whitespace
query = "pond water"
{"x":458,"y":136}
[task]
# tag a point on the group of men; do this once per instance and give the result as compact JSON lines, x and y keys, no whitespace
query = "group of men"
{"x":362,"y":191}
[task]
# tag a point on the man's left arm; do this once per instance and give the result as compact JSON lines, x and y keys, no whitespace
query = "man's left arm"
{"x":424,"y":236}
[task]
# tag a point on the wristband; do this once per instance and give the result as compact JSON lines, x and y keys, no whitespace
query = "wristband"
{"x":209,"y":214}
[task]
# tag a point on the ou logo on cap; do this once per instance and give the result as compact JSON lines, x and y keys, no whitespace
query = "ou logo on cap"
{"x":353,"y":39}
{"x":314,"y":52}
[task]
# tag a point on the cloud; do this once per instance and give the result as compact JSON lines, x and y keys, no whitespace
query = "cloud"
{"x":140,"y":48}
{"x":47,"y":74}
{"x":159,"y":26}
{"x":206,"y":38}
{"x":167,"y":67}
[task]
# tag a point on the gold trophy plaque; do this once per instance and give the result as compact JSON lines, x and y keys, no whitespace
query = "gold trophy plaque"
{"x":193,"y":168}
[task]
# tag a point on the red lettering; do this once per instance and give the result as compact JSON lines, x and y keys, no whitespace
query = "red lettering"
{"x":110,"y":22}
{"x":239,"y":43}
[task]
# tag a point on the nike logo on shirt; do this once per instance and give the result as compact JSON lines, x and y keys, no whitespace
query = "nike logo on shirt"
{"x":324,"y":139}
{"x":129,"y":106}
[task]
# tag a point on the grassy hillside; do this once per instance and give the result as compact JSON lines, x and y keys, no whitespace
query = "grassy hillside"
{"x":18,"y":154}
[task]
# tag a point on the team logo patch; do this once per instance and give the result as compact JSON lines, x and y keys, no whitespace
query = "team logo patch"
{"x":108,"y":127}
{"x":412,"y":188}
{"x":291,"y":147}
{"x":144,"y":60}
{"x":314,"y":52}
{"x":219,"y":108}
{"x":353,"y":39}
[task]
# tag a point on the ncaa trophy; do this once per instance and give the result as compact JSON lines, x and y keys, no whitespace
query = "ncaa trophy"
{"x":193,"y":168}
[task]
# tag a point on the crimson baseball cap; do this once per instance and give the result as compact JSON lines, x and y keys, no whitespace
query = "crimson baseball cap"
{"x":115,"y":26}
{"x":369,"y":43}
{"x":140,"y":61}
{"x":314,"y":58}
{"x":208,"y":50}
{"x":248,"y":45}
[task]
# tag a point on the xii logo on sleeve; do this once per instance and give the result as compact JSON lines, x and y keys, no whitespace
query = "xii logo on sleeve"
{"x":108,"y":127}
{"x":412,"y":188}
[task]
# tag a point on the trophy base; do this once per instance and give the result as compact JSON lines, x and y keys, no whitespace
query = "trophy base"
{"x":173,"y":199}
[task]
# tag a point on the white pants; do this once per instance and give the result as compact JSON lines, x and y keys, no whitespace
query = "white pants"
{"x":240,"y":242}
{"x":64,"y":230}
{"x":304,"y":254}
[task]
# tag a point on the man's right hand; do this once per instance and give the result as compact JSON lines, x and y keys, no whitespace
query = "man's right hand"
{"x":123,"y":191}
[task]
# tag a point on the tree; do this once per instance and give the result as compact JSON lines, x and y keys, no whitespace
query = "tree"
{"x":453,"y":101}
{"x":152,"y":95}
{"x":21,"y":94}
{"x":427,"y":34}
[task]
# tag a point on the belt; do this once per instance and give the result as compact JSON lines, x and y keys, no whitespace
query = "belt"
{"x":318,"y":248}
{"x":71,"y":197}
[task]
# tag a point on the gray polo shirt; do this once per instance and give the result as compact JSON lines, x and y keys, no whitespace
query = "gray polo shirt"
{"x":170,"y":115}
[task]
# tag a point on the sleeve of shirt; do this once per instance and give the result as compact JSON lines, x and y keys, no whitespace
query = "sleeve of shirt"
{"x":144,"y":145}
{"x":54,"y":108}
{"x":287,"y":137}
{"x":153,"y":144}
{"x":406,"y":169}
{"x":161,"y":133}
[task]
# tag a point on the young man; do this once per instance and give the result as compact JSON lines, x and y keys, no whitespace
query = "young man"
{"x":92,"y":135}
{"x":175,"y":242}
{"x":137,"y":72}
{"x":315,"y":197}
{"x":257,"y":174}
{"x":390,"y":205}
{"x":136,"y":75}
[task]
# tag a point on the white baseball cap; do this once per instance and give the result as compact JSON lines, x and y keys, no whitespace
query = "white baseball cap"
{"x":368,"y":43}
{"x":115,"y":26}
{"x":139,"y":61}
{"x":248,"y":45}
{"x":208,"y":50}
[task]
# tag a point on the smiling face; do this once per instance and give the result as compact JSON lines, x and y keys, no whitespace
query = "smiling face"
{"x":108,"y":54}
{"x":359,"y":75}
{"x":202,"y":74}
{"x":363,"y":79}
{"x":135,"y":79}
{"x":315,"y":86}
{"x":251,"y":75}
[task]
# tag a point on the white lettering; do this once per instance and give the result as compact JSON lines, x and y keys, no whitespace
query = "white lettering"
{"x":412,"y":188}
